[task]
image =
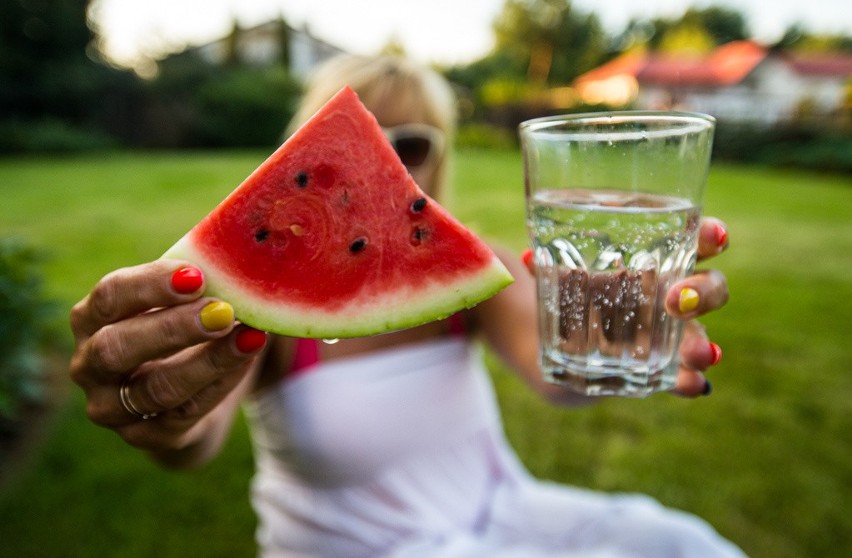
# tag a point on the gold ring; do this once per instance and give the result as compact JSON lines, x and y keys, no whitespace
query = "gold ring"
{"x":124,"y":397}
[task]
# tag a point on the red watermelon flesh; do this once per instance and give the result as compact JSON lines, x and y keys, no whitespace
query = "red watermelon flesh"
{"x":330,"y":237}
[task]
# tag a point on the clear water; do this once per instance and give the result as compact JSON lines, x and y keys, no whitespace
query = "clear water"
{"x":605,"y":260}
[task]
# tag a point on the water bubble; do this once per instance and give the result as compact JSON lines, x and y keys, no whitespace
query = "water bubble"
{"x":330,"y":341}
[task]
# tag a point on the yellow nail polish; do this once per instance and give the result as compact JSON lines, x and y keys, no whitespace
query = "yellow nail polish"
{"x":688,"y":300}
{"x":216,"y":316}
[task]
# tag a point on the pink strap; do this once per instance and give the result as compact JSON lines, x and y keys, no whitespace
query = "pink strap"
{"x":457,"y":324}
{"x":305,"y":356}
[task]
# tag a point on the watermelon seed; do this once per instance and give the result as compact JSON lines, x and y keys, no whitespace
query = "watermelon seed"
{"x":302,"y":179}
{"x":357,"y":245}
{"x":261,"y":235}
{"x":297,"y":230}
{"x":418,"y":205}
{"x":418,"y":235}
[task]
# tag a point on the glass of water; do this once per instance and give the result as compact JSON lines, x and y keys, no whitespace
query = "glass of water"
{"x":613,"y":208}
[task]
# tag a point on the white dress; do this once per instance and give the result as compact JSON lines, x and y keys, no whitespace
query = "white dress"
{"x":401,"y":453}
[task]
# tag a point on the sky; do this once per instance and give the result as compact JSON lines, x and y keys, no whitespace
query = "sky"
{"x":433,"y":31}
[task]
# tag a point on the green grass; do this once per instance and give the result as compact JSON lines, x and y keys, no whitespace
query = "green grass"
{"x":767,"y":459}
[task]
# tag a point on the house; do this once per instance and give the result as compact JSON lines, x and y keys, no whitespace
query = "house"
{"x":270,"y":43}
{"x":740,"y":81}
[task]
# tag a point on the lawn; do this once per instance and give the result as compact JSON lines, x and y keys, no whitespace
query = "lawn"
{"x":767,"y":459}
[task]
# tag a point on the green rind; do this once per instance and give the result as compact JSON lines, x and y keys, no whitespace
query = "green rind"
{"x":389,"y":311}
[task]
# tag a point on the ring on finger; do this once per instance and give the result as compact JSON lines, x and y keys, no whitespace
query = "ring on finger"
{"x":127,"y":403}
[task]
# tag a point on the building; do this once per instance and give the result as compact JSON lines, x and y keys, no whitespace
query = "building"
{"x":740,"y":81}
{"x":268,"y":44}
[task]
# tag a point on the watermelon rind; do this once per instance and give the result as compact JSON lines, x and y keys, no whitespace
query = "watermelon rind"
{"x":392,"y":310}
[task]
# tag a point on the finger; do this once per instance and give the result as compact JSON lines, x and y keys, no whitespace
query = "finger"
{"x":712,"y":238}
{"x":192,"y":382}
{"x":130,"y":291}
{"x":697,"y":294}
{"x":527,"y":258}
{"x":697,"y":354}
{"x":119,"y":348}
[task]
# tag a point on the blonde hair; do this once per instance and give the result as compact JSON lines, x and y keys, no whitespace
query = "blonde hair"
{"x":391,"y":87}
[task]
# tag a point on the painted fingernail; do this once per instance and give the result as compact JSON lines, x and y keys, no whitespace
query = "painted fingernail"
{"x":250,"y":340}
{"x":216,"y":316}
{"x":716,"y":354}
{"x":708,"y":388}
{"x":187,"y":280}
{"x":527,"y":257}
{"x":688,"y":300}
{"x":720,"y":234}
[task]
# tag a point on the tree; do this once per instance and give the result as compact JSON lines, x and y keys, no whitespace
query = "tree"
{"x":52,"y":86}
{"x":697,"y":30}
{"x":547,"y":41}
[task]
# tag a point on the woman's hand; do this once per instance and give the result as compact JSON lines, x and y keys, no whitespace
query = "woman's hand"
{"x":155,"y":358}
{"x":702,"y":292}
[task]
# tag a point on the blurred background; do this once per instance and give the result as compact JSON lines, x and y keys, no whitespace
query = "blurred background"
{"x":122,"y":123}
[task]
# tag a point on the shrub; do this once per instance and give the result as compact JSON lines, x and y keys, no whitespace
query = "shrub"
{"x":24,"y":317}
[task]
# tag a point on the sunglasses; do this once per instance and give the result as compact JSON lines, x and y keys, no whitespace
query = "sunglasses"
{"x":416,"y":144}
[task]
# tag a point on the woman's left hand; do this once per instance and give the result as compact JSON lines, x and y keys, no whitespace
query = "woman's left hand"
{"x":694,"y":296}
{"x":702,"y":292}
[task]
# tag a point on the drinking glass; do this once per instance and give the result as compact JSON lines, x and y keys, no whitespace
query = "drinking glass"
{"x":613,"y":208}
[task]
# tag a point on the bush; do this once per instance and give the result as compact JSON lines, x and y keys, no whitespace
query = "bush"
{"x":791,"y":145}
{"x":24,"y":317}
{"x":50,"y":135}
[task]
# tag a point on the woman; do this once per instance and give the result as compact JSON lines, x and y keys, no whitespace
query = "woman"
{"x":381,"y":446}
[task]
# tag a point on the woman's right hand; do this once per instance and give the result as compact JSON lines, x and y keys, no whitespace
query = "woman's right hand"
{"x":154,"y":357}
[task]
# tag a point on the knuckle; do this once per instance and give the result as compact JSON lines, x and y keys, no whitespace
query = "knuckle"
{"x":163,"y":393}
{"x":188,"y":409}
{"x":106,"y":352}
{"x":138,"y":436}
{"x":220,"y":358}
{"x":96,"y":412}
{"x":104,"y":299}
{"x":77,"y":319}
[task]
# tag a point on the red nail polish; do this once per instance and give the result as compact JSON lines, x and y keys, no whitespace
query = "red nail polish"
{"x":250,"y":340}
{"x":187,"y":280}
{"x":716,"y":354}
{"x":527,"y":257}
{"x":721,"y":235}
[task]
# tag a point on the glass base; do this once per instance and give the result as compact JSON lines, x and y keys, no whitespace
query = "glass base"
{"x":611,"y":379}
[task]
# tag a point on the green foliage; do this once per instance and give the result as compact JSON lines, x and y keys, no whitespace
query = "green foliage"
{"x":245,"y":107}
{"x":484,"y":136}
{"x":24,"y":315}
{"x":548,"y":41}
{"x":51,"y":134}
{"x":795,"y":145}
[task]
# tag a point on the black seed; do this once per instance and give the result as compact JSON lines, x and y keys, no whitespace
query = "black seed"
{"x":418,"y":205}
{"x":417,"y":235}
{"x":261,"y":235}
{"x":302,"y":179}
{"x":357,"y":245}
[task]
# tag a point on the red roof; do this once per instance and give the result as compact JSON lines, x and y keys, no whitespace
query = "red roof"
{"x":821,"y":64}
{"x":729,"y":64}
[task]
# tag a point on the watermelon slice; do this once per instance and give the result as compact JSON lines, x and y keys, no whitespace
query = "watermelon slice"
{"x":330,"y":237}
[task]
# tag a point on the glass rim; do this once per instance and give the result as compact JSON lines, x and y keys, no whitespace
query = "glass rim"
{"x":577,"y":125}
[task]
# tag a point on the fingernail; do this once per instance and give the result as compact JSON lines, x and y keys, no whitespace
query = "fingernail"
{"x":216,"y":316}
{"x":708,"y":388}
{"x":250,"y":340}
{"x":720,"y":234}
{"x":187,"y":280}
{"x":688,"y":300}
{"x":527,"y":257}
{"x":716,"y":352}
